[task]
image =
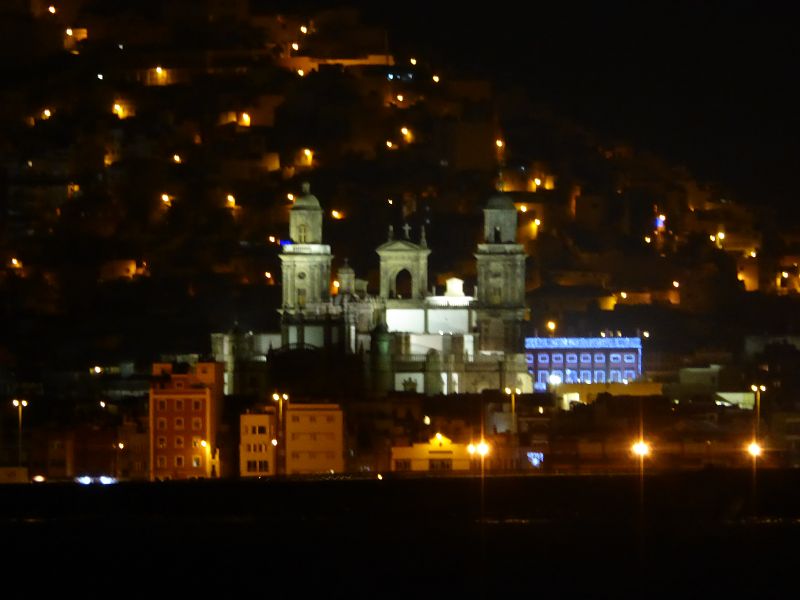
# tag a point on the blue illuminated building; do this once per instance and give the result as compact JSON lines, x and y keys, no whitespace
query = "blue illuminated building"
{"x":583,"y":360}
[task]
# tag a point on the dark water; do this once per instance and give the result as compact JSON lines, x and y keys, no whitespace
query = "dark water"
{"x":694,"y":535}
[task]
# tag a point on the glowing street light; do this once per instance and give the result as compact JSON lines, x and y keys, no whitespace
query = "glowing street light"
{"x":337,"y":215}
{"x":551,"y":327}
{"x":301,"y":73}
{"x":46,"y":114}
{"x":435,"y":79}
{"x":51,"y":9}
{"x":413,"y":61}
{"x":19,"y":405}
{"x":303,"y":29}
{"x":230,"y":199}
{"x":513,"y":393}
{"x":676,"y":284}
{"x":641,"y":448}
{"x":295,"y":46}
{"x":166,"y":199}
{"x":499,"y":143}
{"x":290,"y":197}
{"x":159,"y":70}
{"x":754,"y":449}
{"x":176,"y":158}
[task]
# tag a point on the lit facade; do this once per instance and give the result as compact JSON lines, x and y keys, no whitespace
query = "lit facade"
{"x":184,"y":420}
{"x":583,"y":360}
{"x":314,"y":435}
{"x":439,"y":455}
{"x":256,"y":450}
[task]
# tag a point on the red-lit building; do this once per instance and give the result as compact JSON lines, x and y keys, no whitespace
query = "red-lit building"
{"x":185,"y":406}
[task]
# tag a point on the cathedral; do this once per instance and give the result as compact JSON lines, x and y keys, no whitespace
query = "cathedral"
{"x":411,"y":338}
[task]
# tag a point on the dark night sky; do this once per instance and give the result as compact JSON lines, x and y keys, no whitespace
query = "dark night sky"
{"x":705,"y":84}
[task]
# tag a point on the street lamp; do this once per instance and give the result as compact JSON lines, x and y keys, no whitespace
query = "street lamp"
{"x":551,"y":327}
{"x":513,"y":393}
{"x":19,"y":405}
{"x":757,"y":389}
{"x":281,"y":433}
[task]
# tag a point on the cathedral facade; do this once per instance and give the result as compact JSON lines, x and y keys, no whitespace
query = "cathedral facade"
{"x":411,"y":338}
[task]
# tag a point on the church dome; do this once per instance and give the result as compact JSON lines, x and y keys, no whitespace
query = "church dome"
{"x":307,"y":201}
{"x":500,"y":202}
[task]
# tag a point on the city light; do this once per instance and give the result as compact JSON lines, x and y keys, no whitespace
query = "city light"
{"x":51,"y":9}
{"x":290,"y":197}
{"x":335,"y":214}
{"x":646,"y":334}
{"x":537,"y":222}
{"x":435,"y":79}
{"x":482,"y":448}
{"x":231,"y":200}
{"x":274,"y":442}
{"x":244,"y":121}
{"x":303,"y":29}
{"x":301,"y":72}
{"x":499,"y":143}
{"x":15,"y":263}
{"x":100,"y":76}
{"x":523,"y":209}
{"x":176,"y":158}
{"x":295,"y":46}
{"x":159,"y":70}
{"x":413,"y":61}
{"x":647,"y":239}
{"x":641,"y":448}
{"x":551,"y":326}
{"x":267,"y":275}
{"x":554,"y":379}
{"x":46,"y":114}
{"x":754,"y":449}
{"x":537,"y":181}
{"x":97,"y":369}
{"x":399,"y":97}
{"x":69,"y":31}
{"x":426,"y":420}
{"x":624,"y":295}
{"x":676,"y":284}
{"x":389,"y":144}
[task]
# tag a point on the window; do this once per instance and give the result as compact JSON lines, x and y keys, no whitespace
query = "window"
{"x":197,"y":423}
{"x":179,"y":442}
{"x":253,"y":429}
{"x":312,"y":419}
{"x":195,"y":461}
{"x":295,"y":455}
{"x":441,"y":464}
{"x":295,"y":419}
{"x":197,"y":405}
{"x":179,"y":461}
{"x":543,"y":377}
{"x":543,"y":358}
{"x":179,"y":404}
{"x":402,"y":465}
{"x":178,"y":422}
{"x":263,"y":465}
{"x":614,"y":376}
{"x":615,"y":358}
{"x":600,"y":358}
{"x":630,"y":375}
{"x":329,"y":455}
{"x":162,"y":462}
{"x":162,"y":423}
{"x":572,"y":358}
{"x":586,"y":377}
{"x":251,"y":466}
{"x":630,"y":358}
{"x":162,"y":405}
{"x":313,"y":437}
{"x":195,"y":442}
{"x":586,"y":357}
{"x":262,"y":429}
{"x":329,"y":419}
{"x":572,"y":376}
{"x":558,"y":358}
{"x":248,"y":447}
{"x":599,"y":376}
{"x":162,"y":441}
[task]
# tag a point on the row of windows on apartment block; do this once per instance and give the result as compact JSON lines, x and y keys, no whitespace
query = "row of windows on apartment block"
{"x":178,"y":442}
{"x":178,"y":423}
{"x":262,"y":429}
{"x":586,"y":358}
{"x":326,"y":435}
{"x":178,"y":461}
{"x":178,"y":404}
{"x":571,"y":376}
{"x":260,"y":466}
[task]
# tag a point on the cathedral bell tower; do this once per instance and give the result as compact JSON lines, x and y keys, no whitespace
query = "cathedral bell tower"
{"x":501,"y":278}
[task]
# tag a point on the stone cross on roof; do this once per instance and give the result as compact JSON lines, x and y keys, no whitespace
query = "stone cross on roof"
{"x":407,"y":230}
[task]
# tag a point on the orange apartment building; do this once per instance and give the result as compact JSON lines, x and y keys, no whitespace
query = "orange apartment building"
{"x":185,"y":408}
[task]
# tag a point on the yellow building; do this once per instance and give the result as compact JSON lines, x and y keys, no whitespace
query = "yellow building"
{"x":184,"y":420}
{"x":259,"y":438}
{"x":440,"y":454}
{"x":314,"y":435}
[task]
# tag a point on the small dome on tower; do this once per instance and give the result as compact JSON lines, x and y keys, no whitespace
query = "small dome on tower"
{"x":307,"y":200}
